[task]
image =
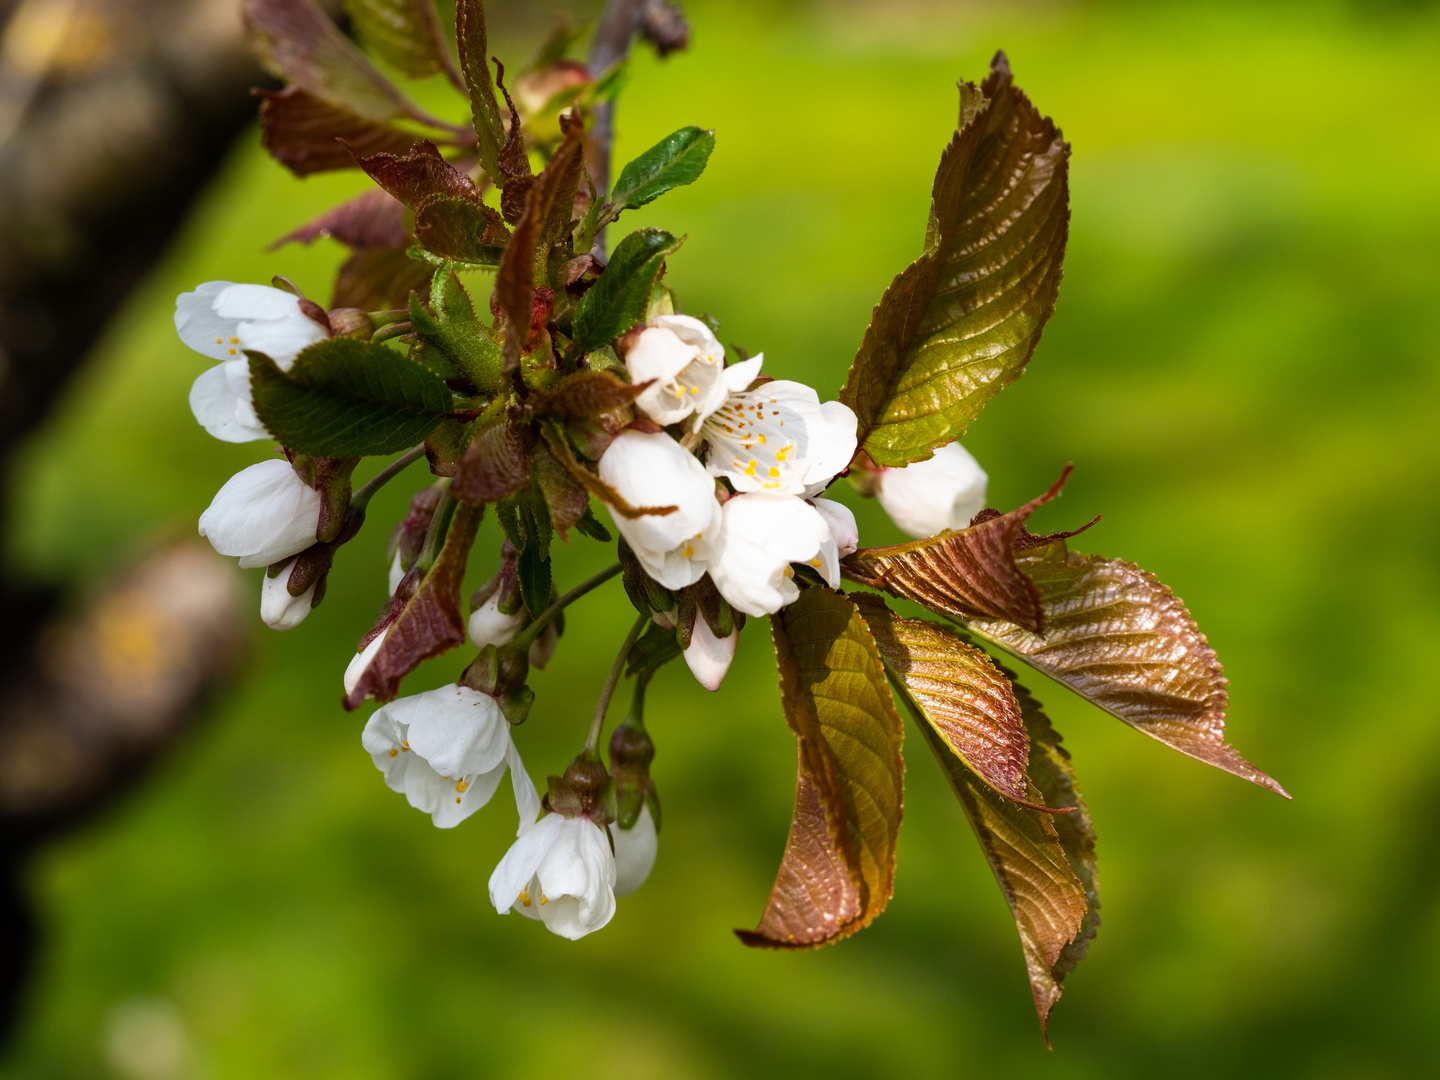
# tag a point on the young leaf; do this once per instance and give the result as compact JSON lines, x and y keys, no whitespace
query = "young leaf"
{"x":421,"y":173}
{"x":373,"y":218}
{"x":1118,"y":637}
{"x":960,"y":323}
{"x":656,"y":648}
{"x":431,"y":621}
{"x":474,"y":47}
{"x":674,"y":161}
{"x":969,"y":572}
{"x":1024,"y":851}
{"x":459,"y":228}
{"x":958,"y":692}
{"x":589,"y":525}
{"x":617,"y":300}
{"x":839,"y":863}
{"x":526,"y":521}
{"x":587,"y":393}
{"x":451,"y":326}
{"x":496,"y":465}
{"x":304,"y":133}
{"x":515,"y":280}
{"x":404,"y":33}
{"x":378,"y":279}
{"x":346,"y":398}
{"x":564,"y":495}
{"x":295,"y":40}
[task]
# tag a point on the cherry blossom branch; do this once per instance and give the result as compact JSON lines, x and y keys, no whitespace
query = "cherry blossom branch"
{"x":592,"y":741}
{"x":361,"y":498}
{"x":531,"y":632}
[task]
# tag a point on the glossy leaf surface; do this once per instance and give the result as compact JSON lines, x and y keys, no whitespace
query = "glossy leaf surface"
{"x":674,"y":161}
{"x":960,"y":323}
{"x":304,"y":133}
{"x":403,"y":33}
{"x":617,"y":300}
{"x":839,"y":864}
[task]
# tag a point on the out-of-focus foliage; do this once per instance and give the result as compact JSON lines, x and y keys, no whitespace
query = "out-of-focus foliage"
{"x":1250,"y":289}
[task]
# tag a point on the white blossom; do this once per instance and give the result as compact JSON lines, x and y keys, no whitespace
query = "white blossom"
{"x":280,"y":610}
{"x":561,"y":871}
{"x":263,"y":514}
{"x":635,"y":850}
{"x":355,"y":670}
{"x":396,"y":574}
{"x":446,"y":751}
{"x":488,"y":625}
{"x":654,"y":470}
{"x":760,"y":536}
{"x":778,"y":437}
{"x":709,"y":657}
{"x":221,"y":320}
{"x":943,"y":492}
{"x":685,"y":361}
{"x":844,"y":537}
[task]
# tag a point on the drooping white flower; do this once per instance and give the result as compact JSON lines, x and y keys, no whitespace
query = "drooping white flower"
{"x":446,"y":751}
{"x":280,"y":610}
{"x":635,"y":850}
{"x":844,"y":536}
{"x":561,"y":871}
{"x":396,"y":574}
{"x":361,"y":661}
{"x":488,"y":625}
{"x":709,"y":657}
{"x":263,"y":514}
{"x":943,"y":492}
{"x":760,"y":536}
{"x":686,"y":361}
{"x":654,"y":470}
{"x":221,"y":320}
{"x":778,"y":437}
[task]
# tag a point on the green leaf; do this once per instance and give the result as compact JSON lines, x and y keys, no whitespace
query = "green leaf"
{"x":987,"y":744}
{"x":656,"y":648}
{"x":674,"y":161}
{"x":451,"y":326}
{"x":1119,"y":638}
{"x":589,"y":525}
{"x":964,"y":573}
{"x":617,"y":300}
{"x":296,"y":41}
{"x":346,"y":398}
{"x":430,"y":621}
{"x":471,"y":38}
{"x":839,"y":864}
{"x":526,"y":521}
{"x":461,"y":228}
{"x":403,"y":33}
{"x":960,"y":323}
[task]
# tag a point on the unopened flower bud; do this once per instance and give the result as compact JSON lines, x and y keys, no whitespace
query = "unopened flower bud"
{"x":637,"y":805}
{"x":943,"y":492}
{"x":351,"y":322}
{"x":278,"y":607}
{"x":263,"y":514}
{"x":408,"y":536}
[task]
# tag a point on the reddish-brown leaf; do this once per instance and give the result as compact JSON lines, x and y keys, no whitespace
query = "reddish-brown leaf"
{"x":564,"y":495}
{"x":474,"y":46}
{"x":959,"y":693}
{"x":460,"y":228}
{"x":417,"y":175}
{"x":371,"y":219}
{"x":496,"y":465}
{"x":588,"y":393}
{"x":969,"y":572}
{"x":839,"y":864}
{"x":304,"y":133}
{"x":431,"y":622}
{"x":378,"y":279}
{"x":1118,"y":637}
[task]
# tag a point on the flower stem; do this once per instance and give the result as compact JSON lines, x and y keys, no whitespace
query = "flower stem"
{"x":435,"y":538}
{"x":530,"y":633}
{"x":361,"y":498}
{"x":394,"y":330}
{"x":592,"y":741}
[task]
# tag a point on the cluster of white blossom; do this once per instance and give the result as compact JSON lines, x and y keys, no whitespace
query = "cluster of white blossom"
{"x":775,"y":444}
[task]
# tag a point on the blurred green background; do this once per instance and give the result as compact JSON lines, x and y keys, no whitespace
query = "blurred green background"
{"x":1242,"y":365}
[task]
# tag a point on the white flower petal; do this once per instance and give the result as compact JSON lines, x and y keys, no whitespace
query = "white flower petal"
{"x":927,"y":497}
{"x":361,"y":660}
{"x":396,"y":575}
{"x":635,"y":851}
{"x":709,"y":657}
{"x":832,"y":445}
{"x":489,"y":626}
{"x":527,"y":799}
{"x":841,"y":521}
{"x":263,"y":514}
{"x":459,"y":731}
{"x":518,"y":866}
{"x":278,"y":609}
{"x":222,"y":411}
{"x":248,"y":301}
{"x":581,"y":866}
{"x":760,"y":536}
{"x":198,"y":324}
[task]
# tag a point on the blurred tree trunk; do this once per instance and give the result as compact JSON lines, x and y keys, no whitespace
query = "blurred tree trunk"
{"x":113,"y":116}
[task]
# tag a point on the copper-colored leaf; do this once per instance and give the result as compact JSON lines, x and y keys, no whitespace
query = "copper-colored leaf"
{"x":555,"y":440}
{"x":431,"y":622}
{"x":456,"y":227}
{"x":304,"y":133}
{"x":417,"y":175}
{"x":496,"y":465}
{"x":587,"y":393}
{"x":839,"y":864}
{"x":959,"y":693}
{"x":1118,"y":637}
{"x":373,"y":218}
{"x":969,"y":572}
{"x":474,"y":46}
{"x":565,"y":496}
{"x":379,"y":278}
{"x":960,"y":323}
{"x":515,"y":281}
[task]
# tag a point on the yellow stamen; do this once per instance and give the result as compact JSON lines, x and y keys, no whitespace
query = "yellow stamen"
{"x":394,"y":752}
{"x":462,"y":786}
{"x":234,"y":341}
{"x":525,"y":897}
{"x":689,"y":551}
{"x":750,"y":469}
{"x":544,"y":899}
{"x":774,"y":471}
{"x":232,"y":352}
{"x":760,"y":437}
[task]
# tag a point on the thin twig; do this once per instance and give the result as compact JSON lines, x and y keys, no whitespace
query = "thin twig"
{"x":385,"y":475}
{"x":592,"y":741}
{"x":531,"y":632}
{"x":611,"y":44}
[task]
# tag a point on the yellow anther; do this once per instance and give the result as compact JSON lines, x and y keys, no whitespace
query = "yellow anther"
{"x":544,"y":899}
{"x":462,"y":786}
{"x":774,"y":471}
{"x":394,"y":752}
{"x":219,"y":341}
{"x":232,"y":352}
{"x":234,"y":341}
{"x":457,"y":798}
{"x":525,"y":897}
{"x":694,"y":389}
{"x":814,"y":562}
{"x":689,"y":551}
{"x":750,"y":469}
{"x":760,"y":436}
